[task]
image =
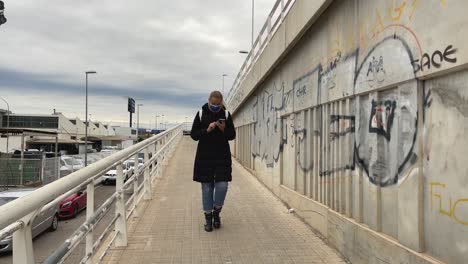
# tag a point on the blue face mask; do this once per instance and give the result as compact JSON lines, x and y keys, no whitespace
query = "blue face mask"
{"x":215,"y":108}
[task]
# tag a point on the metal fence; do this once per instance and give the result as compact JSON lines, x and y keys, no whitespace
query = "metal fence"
{"x":37,"y":172}
{"x":11,"y":173}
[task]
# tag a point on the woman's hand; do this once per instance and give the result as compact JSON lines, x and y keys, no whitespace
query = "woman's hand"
{"x":221,"y":125}
{"x":211,"y":127}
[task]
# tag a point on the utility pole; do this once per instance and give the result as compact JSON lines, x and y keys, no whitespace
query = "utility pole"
{"x":253,"y":20}
{"x":86,"y":117}
{"x":224,"y":75}
{"x":8,"y":122}
{"x":157,"y":121}
{"x":138,"y":119}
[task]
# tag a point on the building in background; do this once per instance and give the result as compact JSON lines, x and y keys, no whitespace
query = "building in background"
{"x":71,"y":133}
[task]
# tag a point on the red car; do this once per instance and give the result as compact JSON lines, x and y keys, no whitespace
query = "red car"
{"x":72,"y":205}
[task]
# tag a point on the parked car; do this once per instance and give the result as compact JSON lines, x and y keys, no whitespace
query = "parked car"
{"x":47,"y":220}
{"x":73,"y":204}
{"x":72,"y":163}
{"x":131,"y":163}
{"x":111,"y":175}
{"x":128,"y":165}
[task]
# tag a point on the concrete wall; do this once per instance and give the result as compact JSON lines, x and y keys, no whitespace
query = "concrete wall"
{"x":356,"y":115}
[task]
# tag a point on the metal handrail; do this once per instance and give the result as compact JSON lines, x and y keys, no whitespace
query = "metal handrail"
{"x":67,"y":247}
{"x":22,"y":206}
{"x":259,"y":46}
{"x":22,"y":211}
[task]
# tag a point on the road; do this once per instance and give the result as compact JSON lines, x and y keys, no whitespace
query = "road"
{"x":47,"y":242}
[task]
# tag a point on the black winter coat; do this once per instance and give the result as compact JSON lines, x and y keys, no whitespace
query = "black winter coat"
{"x":213,"y":158}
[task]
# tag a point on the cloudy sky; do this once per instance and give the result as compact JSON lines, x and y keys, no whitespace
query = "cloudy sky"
{"x":168,"y":55}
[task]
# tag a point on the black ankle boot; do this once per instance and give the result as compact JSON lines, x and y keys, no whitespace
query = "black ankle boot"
{"x":216,"y":218}
{"x":209,"y":222}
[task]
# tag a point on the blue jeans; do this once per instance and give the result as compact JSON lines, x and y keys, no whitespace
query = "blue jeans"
{"x":213,"y":194}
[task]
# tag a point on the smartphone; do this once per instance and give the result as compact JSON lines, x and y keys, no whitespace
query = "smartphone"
{"x":221,"y":120}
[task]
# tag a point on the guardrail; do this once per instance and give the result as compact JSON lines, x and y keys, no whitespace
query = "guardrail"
{"x":16,"y":217}
{"x":274,"y":20}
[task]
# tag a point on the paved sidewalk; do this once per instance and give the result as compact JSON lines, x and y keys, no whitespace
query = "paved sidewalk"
{"x":256,"y":226}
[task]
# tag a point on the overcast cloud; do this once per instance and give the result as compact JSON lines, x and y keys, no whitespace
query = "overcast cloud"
{"x":168,"y":54}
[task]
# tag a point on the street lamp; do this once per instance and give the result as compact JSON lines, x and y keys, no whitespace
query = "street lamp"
{"x":157,"y":122}
{"x":8,"y":122}
{"x":86,"y":117}
{"x":138,"y":119}
{"x":224,"y":75}
{"x":253,"y":11}
{"x":253,"y":20}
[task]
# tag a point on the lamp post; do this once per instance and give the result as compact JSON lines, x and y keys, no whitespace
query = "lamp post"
{"x":224,"y":75}
{"x":86,"y":117}
{"x":253,"y":20}
{"x":253,"y":12}
{"x":157,"y":121}
{"x":8,"y":122}
{"x":162,"y":122}
{"x":138,"y":119}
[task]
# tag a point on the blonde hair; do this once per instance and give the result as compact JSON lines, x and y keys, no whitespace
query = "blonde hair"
{"x":218,"y":95}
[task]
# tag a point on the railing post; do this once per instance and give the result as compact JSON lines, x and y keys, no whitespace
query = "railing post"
{"x":23,"y":251}
{"x":147,"y":181}
{"x":136,"y":171}
{"x":158,"y":168}
{"x":156,"y":159}
{"x":89,"y":214}
{"x":120,"y":212}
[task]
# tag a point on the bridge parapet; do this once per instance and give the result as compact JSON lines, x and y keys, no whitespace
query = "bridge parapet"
{"x":354,"y":113}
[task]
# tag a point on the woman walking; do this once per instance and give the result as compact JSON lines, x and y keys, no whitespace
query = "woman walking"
{"x":213,"y":128}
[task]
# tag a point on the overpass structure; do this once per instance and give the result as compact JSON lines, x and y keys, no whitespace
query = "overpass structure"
{"x":353,"y":113}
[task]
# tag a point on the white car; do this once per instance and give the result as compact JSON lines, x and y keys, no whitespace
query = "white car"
{"x":111,"y":175}
{"x":131,"y":163}
{"x":73,"y":164}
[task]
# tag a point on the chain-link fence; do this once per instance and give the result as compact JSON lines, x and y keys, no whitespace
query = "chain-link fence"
{"x":37,"y":172}
{"x":14,"y":173}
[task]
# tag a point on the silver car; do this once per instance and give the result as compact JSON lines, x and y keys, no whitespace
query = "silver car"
{"x":47,"y":220}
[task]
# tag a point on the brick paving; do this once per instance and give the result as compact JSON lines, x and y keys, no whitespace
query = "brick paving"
{"x":256,"y":226}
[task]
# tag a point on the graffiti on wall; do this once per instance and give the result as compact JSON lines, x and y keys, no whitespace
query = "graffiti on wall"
{"x":456,"y":210}
{"x":268,"y":138}
{"x":381,"y":118}
{"x":345,"y":125}
{"x":435,"y":60}
{"x":384,"y":125}
{"x":376,"y":72}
